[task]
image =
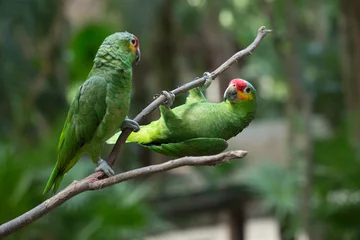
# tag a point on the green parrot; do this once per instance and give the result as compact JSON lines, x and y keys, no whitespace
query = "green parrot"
{"x":199,"y":127}
{"x":99,"y":108}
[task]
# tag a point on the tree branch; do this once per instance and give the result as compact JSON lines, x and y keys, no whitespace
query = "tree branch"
{"x":96,"y":180}
{"x":89,"y":183}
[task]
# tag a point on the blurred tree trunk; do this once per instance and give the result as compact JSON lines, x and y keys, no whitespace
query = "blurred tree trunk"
{"x":164,"y":52}
{"x":350,"y":59}
{"x":165,"y":47}
{"x":237,"y":222}
{"x":299,"y":109}
{"x":49,"y":86}
{"x":216,"y":52}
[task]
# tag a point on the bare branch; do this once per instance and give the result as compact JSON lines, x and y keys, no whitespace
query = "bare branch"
{"x":88,"y":184}
{"x":96,"y":180}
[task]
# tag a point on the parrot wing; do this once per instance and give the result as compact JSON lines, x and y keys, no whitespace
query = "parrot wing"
{"x":195,"y":95}
{"x":86,"y":113}
{"x":169,"y":115}
{"x":191,"y":147}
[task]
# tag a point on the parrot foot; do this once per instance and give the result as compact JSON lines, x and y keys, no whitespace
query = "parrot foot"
{"x":129,"y":123}
{"x":208,"y":80}
{"x":170,"y":98}
{"x":103,"y":166}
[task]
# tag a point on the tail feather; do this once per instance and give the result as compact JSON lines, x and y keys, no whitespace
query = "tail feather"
{"x":54,"y":180}
{"x":147,"y":134}
{"x":141,"y":136}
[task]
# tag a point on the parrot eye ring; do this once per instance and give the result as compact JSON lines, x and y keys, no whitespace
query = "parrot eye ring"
{"x":133,"y":42}
{"x":247,"y":90}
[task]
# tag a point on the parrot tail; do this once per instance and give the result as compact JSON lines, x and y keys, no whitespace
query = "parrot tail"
{"x":146,"y":135}
{"x":54,"y":181}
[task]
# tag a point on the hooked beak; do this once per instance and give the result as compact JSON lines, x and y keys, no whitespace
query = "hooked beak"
{"x":138,"y":56}
{"x":230,"y":93}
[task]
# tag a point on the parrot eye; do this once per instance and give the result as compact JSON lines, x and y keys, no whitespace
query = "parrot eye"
{"x":133,"y":42}
{"x":247,"y":90}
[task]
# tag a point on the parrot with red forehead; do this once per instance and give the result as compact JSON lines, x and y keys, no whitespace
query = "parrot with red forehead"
{"x":199,"y":127}
{"x":99,"y":108}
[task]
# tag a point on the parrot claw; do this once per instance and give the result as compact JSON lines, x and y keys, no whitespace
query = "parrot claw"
{"x":208,"y":80}
{"x":103,"y":166}
{"x":170,"y":98}
{"x":129,"y":123}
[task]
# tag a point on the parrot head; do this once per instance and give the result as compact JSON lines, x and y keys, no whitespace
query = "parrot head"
{"x":240,"y":90}
{"x":121,"y":46}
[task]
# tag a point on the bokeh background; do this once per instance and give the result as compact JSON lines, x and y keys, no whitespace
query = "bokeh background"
{"x":301,"y":179}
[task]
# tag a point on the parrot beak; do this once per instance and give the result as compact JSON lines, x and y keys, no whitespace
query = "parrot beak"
{"x":230,"y":93}
{"x":138,"y":56}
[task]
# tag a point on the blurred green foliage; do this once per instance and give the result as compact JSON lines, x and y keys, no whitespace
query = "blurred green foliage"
{"x":83,"y":48}
{"x":46,"y":53}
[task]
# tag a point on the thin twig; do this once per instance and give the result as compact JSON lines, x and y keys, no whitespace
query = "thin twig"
{"x":86,"y":184}
{"x":95,"y":181}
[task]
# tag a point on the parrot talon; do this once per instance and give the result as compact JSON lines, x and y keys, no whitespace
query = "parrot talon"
{"x":170,"y":97}
{"x":208,"y":80}
{"x":103,"y":166}
{"x":129,"y":123}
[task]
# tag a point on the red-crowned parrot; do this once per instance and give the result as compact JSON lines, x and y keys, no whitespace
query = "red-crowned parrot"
{"x":199,"y":127}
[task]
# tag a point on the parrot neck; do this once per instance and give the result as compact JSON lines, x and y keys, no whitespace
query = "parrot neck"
{"x":240,"y":113}
{"x":107,"y":59}
{"x":245,"y":106}
{"x":115,"y":68}
{"x":116,"y":72}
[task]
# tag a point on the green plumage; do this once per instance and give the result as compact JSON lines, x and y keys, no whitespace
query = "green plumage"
{"x":197,"y":127}
{"x":99,"y":107}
